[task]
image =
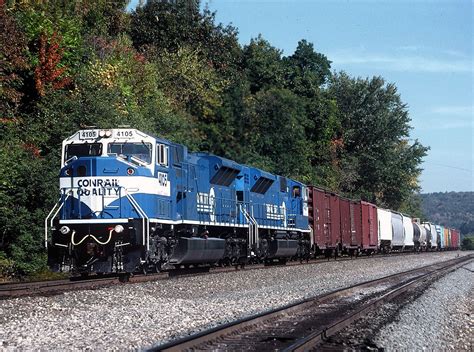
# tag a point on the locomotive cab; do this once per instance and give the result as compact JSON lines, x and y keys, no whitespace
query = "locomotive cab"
{"x":96,"y":228}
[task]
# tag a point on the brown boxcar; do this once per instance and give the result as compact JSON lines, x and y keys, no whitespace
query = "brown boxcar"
{"x":356,"y":223}
{"x":324,"y":219}
{"x":369,"y":226}
{"x":348,"y":238}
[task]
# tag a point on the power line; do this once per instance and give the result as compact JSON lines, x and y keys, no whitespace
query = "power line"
{"x":449,"y":166}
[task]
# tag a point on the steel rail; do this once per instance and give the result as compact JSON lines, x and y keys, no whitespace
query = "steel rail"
{"x":317,"y":337}
{"x":256,"y":332}
{"x":50,"y":287}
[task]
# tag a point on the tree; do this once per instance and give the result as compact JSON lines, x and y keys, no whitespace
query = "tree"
{"x":170,"y":26}
{"x":263,"y":65}
{"x":117,"y":86}
{"x":49,"y":73}
{"x":375,"y":132}
{"x":275,"y":136}
{"x":307,"y":70}
{"x":13,"y":64}
{"x":26,"y":182}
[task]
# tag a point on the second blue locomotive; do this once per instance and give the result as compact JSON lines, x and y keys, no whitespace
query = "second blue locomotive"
{"x":131,"y":201}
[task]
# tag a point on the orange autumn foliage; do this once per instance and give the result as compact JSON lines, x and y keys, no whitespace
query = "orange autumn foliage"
{"x":49,"y":72}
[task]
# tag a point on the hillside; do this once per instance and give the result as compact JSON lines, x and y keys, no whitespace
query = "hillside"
{"x":454,"y":209}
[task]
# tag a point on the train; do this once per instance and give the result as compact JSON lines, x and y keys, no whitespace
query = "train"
{"x":130,"y":201}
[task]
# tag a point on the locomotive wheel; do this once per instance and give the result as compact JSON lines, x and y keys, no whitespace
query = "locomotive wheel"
{"x":158,"y":267}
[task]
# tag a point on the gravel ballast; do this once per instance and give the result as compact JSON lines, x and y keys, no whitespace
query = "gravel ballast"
{"x":441,"y":319}
{"x":135,"y":316}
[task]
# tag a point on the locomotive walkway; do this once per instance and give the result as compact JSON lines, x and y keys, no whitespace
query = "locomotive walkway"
{"x":303,"y":325}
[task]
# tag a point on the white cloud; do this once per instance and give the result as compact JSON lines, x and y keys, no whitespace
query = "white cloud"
{"x":424,"y":122}
{"x":452,"y":110}
{"x":404,"y":63}
{"x":410,"y":47}
{"x":433,"y":51}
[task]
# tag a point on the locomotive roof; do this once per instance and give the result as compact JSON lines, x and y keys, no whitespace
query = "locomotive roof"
{"x":224,"y":161}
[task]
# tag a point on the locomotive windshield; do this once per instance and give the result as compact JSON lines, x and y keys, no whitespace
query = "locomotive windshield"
{"x":140,"y":151}
{"x":81,"y":150}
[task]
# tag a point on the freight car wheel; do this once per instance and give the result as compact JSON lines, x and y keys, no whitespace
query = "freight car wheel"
{"x":158,"y":267}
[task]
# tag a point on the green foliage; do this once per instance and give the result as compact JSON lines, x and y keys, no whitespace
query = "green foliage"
{"x":39,"y":21}
{"x":375,"y":131}
{"x":276,"y":123}
{"x":307,"y":70}
{"x":25,"y":187}
{"x":193,"y":84}
{"x":467,"y":243}
{"x":7,"y":268}
{"x":169,"y":69}
{"x":263,"y":65}
{"x":13,"y":64}
{"x":169,"y":27}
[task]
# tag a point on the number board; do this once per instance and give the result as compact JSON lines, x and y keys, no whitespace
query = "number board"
{"x":124,"y":134}
{"x":88,"y":134}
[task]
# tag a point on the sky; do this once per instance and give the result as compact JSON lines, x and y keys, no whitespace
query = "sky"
{"x":425,"y":47}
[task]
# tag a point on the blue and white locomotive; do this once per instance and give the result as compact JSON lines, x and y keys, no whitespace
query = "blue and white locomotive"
{"x":131,"y":201}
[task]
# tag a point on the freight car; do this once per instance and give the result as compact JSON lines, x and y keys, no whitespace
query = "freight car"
{"x":419,"y":237}
{"x":325,"y":221}
{"x":440,"y":232}
{"x":341,"y":225}
{"x":132,"y":201}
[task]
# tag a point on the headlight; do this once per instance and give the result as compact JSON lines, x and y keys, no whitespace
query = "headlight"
{"x":64,"y":230}
{"x":118,"y":228}
{"x":105,"y":133}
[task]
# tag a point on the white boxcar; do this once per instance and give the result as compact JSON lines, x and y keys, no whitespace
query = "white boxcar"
{"x":385,"y":228}
{"x":408,"y":230}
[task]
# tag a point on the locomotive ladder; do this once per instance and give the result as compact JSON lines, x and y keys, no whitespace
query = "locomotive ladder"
{"x":253,"y":227}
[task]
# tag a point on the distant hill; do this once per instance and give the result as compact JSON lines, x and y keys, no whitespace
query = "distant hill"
{"x":453,"y":209}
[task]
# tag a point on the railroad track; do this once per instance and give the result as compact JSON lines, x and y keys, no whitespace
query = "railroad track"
{"x":52,"y":287}
{"x":302,"y":326}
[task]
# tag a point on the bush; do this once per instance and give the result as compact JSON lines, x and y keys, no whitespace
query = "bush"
{"x":467,"y":243}
{"x":7,"y":269}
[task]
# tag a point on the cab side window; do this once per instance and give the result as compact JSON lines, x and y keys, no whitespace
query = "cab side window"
{"x":162,"y":155}
{"x":296,"y":191}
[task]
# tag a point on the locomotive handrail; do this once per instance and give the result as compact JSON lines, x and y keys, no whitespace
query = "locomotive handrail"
{"x":145,"y":219}
{"x":253,"y":226}
{"x":59,"y":203}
